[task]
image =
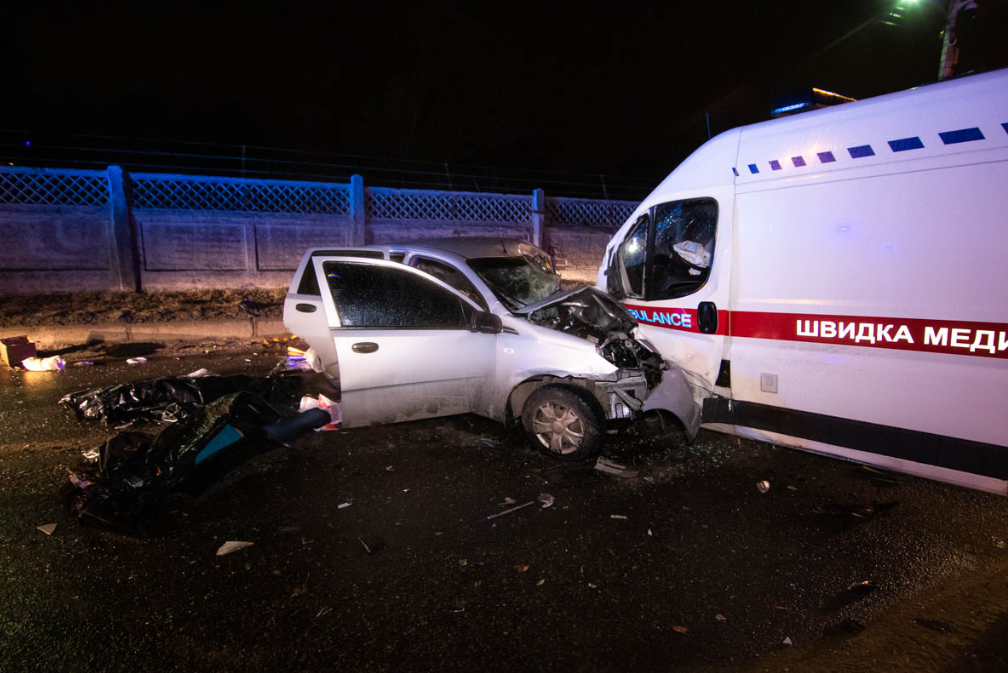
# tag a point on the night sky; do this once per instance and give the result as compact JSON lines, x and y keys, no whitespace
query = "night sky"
{"x":614,"y":89}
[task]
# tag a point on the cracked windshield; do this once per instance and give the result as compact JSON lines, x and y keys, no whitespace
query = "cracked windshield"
{"x":518,"y":281}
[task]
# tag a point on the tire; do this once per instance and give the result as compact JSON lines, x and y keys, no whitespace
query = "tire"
{"x":568,"y":427}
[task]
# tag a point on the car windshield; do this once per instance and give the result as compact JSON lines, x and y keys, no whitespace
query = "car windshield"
{"x":517,"y":281}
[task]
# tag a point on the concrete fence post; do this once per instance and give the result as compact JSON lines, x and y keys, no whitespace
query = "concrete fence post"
{"x":357,"y":211}
{"x":123,"y":248}
{"x":538,"y":215}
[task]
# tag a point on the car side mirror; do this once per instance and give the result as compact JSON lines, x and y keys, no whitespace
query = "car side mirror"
{"x":485,"y":322}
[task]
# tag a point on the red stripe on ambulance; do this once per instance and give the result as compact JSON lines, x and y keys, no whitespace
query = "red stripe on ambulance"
{"x":956,"y":337}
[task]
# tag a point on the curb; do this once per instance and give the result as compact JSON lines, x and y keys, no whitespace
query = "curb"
{"x":166,"y":331}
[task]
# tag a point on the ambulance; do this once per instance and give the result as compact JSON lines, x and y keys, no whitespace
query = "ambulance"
{"x":837,"y":280}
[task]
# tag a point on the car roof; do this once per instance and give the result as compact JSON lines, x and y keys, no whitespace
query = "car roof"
{"x":468,"y":247}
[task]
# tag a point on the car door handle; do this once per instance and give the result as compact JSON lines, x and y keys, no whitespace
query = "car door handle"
{"x":305,"y":308}
{"x":364,"y":347}
{"x":707,"y":317}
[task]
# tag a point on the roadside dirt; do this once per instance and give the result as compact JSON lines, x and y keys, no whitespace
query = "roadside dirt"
{"x":89,"y":308}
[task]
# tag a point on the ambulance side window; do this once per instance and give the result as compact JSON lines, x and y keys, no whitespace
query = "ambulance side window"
{"x":632,"y":255}
{"x":683,"y":247}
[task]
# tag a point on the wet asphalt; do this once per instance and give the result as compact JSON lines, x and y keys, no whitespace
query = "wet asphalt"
{"x":373,"y":550}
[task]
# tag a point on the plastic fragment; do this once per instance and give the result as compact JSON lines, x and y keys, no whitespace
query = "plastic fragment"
{"x":720,"y":617}
{"x":763,"y":486}
{"x":618,"y":516}
{"x":521,"y":567}
{"x":546,"y":499}
{"x":680,"y":629}
{"x":202,"y":371}
{"x":343,"y":505}
{"x":233,"y":545}
{"x":541,"y":582}
{"x":136,"y":361}
{"x":53,"y":364}
{"x":609,"y":467}
{"x":47,"y":528}
{"x":787,"y":642}
{"x":83,"y":363}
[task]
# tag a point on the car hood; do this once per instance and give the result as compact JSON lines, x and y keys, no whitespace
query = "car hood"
{"x":596,"y":317}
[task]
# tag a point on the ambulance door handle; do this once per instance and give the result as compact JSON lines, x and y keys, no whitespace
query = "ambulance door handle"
{"x":364,"y":347}
{"x":707,"y":317}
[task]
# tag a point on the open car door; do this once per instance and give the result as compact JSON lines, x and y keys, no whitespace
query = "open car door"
{"x":408,"y":345}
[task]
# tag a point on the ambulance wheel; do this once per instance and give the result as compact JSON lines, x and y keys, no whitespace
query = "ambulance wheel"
{"x":561,"y":423}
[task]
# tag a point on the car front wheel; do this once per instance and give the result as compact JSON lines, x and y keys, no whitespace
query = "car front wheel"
{"x":562,"y":424}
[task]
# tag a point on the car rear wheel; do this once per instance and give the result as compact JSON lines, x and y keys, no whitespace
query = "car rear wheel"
{"x":561,"y":423}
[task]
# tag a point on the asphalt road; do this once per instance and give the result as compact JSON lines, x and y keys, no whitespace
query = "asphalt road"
{"x":686,"y":566}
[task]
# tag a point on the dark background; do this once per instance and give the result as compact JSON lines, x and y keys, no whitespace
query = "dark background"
{"x":600,"y":99}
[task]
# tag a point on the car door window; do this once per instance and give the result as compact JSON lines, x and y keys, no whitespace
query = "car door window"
{"x":632,"y":256}
{"x":683,"y":247}
{"x":309,"y":283}
{"x":451,"y":276}
{"x":378,"y":296}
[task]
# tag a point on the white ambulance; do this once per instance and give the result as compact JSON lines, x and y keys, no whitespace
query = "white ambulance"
{"x":837,"y":281}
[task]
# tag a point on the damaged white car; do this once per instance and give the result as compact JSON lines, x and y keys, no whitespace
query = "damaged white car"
{"x":479,"y":326}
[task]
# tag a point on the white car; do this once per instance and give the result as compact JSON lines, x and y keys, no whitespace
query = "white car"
{"x":479,"y":326}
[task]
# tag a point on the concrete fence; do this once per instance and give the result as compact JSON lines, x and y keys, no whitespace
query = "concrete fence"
{"x":68,"y":230}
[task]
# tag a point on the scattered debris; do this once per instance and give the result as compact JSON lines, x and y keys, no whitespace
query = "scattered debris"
{"x":622,"y":517}
{"x":324,"y":611}
{"x":680,"y":629}
{"x":650,"y":534}
{"x":763,"y":486}
{"x":134,"y":471}
{"x":507,"y":501}
{"x":91,"y":455}
{"x":233,"y":545}
{"x":299,"y":590}
{"x":546,"y":499}
{"x":83,"y":363}
{"x":202,"y":371}
{"x":792,"y":488}
{"x":854,"y":592}
{"x":47,"y":528}
{"x":787,"y":642}
{"x":720,"y":617}
{"x":343,"y":505}
{"x":592,"y":586}
{"x":463,"y":562}
{"x":998,"y":542}
{"x":513,"y":509}
{"x":16,"y":349}
{"x":331,"y":407}
{"x":53,"y":364}
{"x":136,"y":361}
{"x":541,"y":582}
{"x":364,"y":544}
{"x":935,"y":625}
{"x":609,"y":467}
{"x":521,"y":567}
